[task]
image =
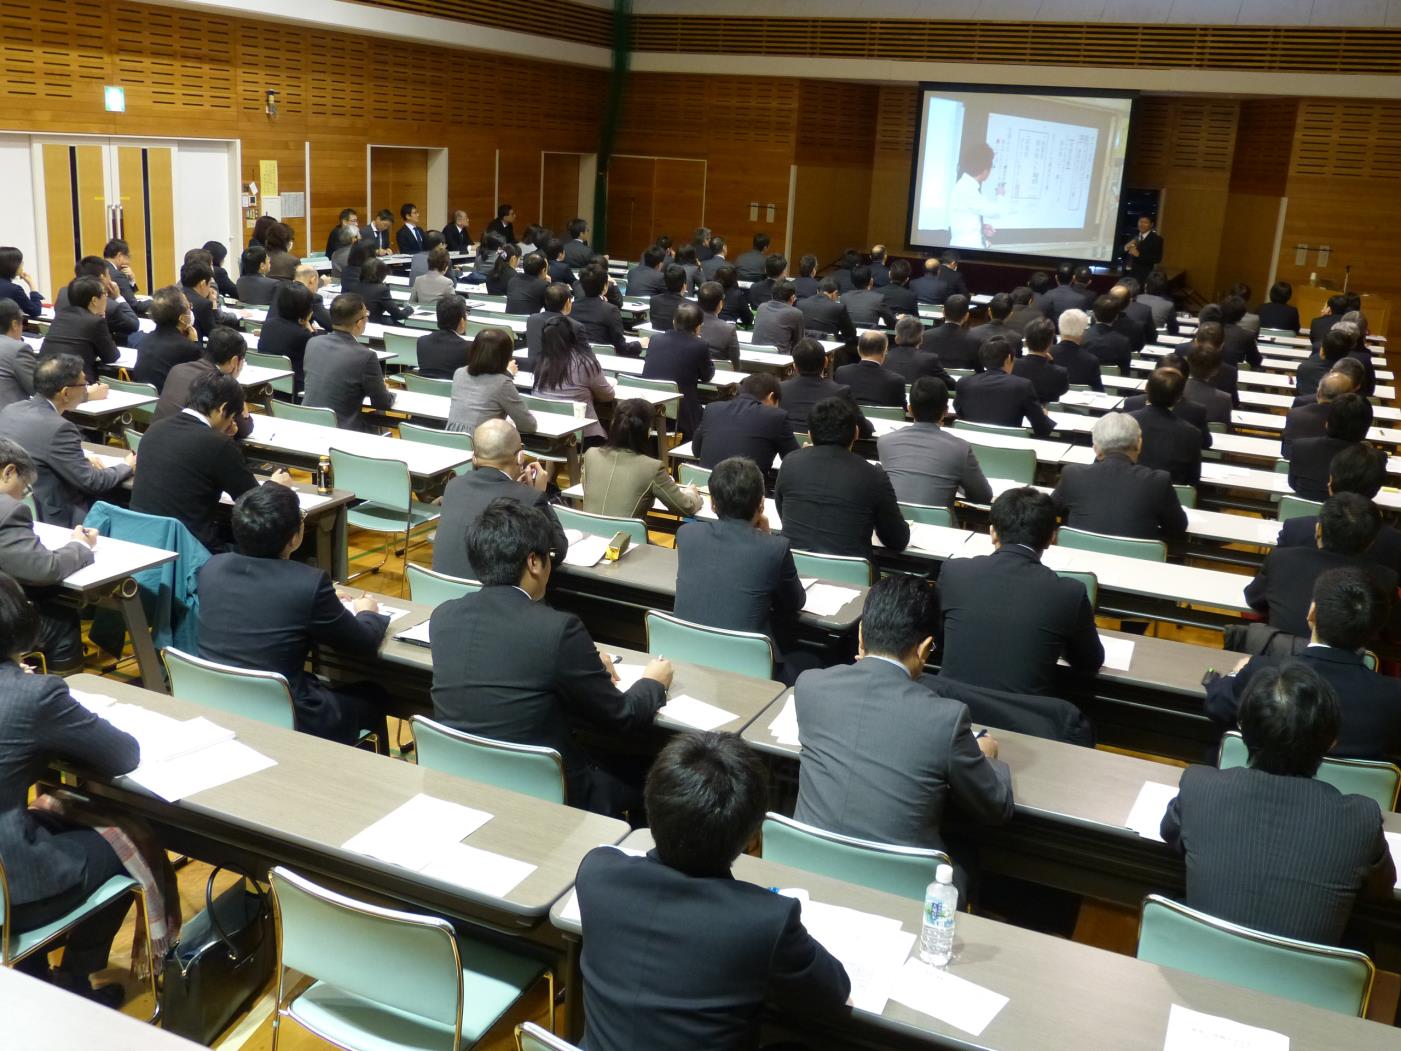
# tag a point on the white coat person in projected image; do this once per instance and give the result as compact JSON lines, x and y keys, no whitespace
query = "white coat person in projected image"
{"x":970,"y":210}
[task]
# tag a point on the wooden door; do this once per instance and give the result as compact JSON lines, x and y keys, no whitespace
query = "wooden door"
{"x":630,"y":182}
{"x":145,"y":196}
{"x":559,"y":190}
{"x":76,"y":207}
{"x":678,"y":199}
{"x":397,"y":177}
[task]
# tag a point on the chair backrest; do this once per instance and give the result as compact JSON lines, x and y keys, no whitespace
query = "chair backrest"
{"x":290,"y":410}
{"x":1186,"y":495}
{"x":601,"y":525}
{"x":427,"y":385}
{"x":1172,"y":935}
{"x":1015,"y":465}
{"x":992,"y":428}
{"x":432,"y":588}
{"x":274,"y":361}
{"x":530,"y":1037}
{"x":839,"y":569}
{"x":926,"y":514}
{"x":528,"y":769}
{"x":536,"y":403}
{"x":1090,"y":581}
{"x":695,"y":474}
{"x":884,"y":412}
{"x":905,"y":871}
{"x":413,"y":432}
{"x":399,"y":959}
{"x":133,"y":437}
{"x":1374,"y":778}
{"x":404,"y":348}
{"x":261,"y":695}
{"x":803,"y":438}
{"x":1084,"y":540}
{"x":383,"y":482}
{"x":141,"y":414}
{"x":1281,"y":467}
{"x":662,"y":386}
{"x":1291,"y":506}
{"x":743,"y":652}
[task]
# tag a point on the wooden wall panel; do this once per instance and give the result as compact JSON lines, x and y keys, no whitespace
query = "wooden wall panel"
{"x":630,"y":181}
{"x":398,"y":176}
{"x":1247,"y":249}
{"x":559,"y":195}
{"x":1264,"y":146}
{"x":895,"y":127}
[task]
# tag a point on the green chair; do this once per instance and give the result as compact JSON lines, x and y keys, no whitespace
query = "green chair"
{"x":884,"y":412}
{"x":694,"y":474}
{"x":427,"y":385}
{"x":1217,"y":427}
{"x":413,"y":432}
{"x":905,"y":871}
{"x":1373,"y":778}
{"x":1102,"y":543}
{"x":535,"y":403}
{"x":387,"y":504}
{"x":1090,"y":581}
{"x":992,"y":428}
{"x":1186,"y":495}
{"x":600,"y":525}
{"x":1277,"y":332}
{"x":388,"y":980}
{"x":1281,"y":467}
{"x":140,"y":414}
{"x":274,"y":361}
{"x":1291,"y":506}
{"x":432,"y":588}
{"x":1172,"y":935}
{"x":526,"y":768}
{"x":133,"y":438}
{"x":290,"y":410}
{"x":1015,"y":465}
{"x":261,"y":695}
{"x":926,"y":514}
{"x":742,"y":652}
{"x":837,"y":569}
{"x":530,"y":1037}
{"x":404,"y":348}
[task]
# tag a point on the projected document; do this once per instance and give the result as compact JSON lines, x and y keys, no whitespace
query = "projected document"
{"x":1041,"y":170}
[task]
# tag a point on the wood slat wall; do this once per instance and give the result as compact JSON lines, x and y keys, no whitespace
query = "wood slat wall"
{"x":559,"y":18}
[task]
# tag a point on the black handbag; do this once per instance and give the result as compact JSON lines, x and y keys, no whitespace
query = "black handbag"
{"x":223,"y":959}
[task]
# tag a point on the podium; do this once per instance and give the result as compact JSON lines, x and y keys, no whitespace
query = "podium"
{"x":1312,"y":300}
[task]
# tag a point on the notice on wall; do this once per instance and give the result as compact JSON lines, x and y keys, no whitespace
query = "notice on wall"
{"x":293,"y":205}
{"x":267,"y":177}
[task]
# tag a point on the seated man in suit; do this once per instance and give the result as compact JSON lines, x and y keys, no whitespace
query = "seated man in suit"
{"x":1157,"y":297}
{"x":999,"y":309}
{"x":17,"y":358}
{"x":1038,"y":365}
{"x":1359,"y":469}
{"x":1135,"y":319}
{"x":825,"y":313}
{"x":197,"y":282}
{"x":897,"y":294}
{"x":1081,"y":365}
{"x":189,"y":460}
{"x":1277,"y":313}
{"x":1024,"y":310}
{"x":116,"y":253}
{"x":174,"y":340}
{"x":1013,"y":646}
{"x":751,"y":425}
{"x":1204,"y":361}
{"x":1349,"y":420}
{"x":224,"y":352}
{"x":716,"y":259}
{"x":1283,"y":589}
{"x":829,"y":498}
{"x":1069,"y":293}
{"x":683,"y":357}
{"x":908,"y":360}
{"x":81,"y":327}
{"x":996,"y":396}
{"x":806,"y":282}
{"x":1310,"y":419}
{"x":1320,"y":326}
{"x":557,"y":270}
{"x":1170,"y":442}
{"x":719,"y":335}
{"x":956,"y":347}
{"x":880,"y":273}
{"x":870,"y":381}
{"x":122,"y":321}
{"x":1116,"y":495}
{"x":680,"y":954}
{"x":1337,"y":346}
{"x":456,"y":234}
{"x":778,"y":323}
{"x":662,"y":306}
{"x":254,"y":286}
{"x":645,"y":279}
{"x":1347,"y":613}
{"x":501,"y":470}
{"x":601,"y":320}
{"x":1104,"y":341}
{"x":577,"y":253}
{"x":298,"y":609}
{"x":409,"y":238}
{"x":486,"y":682}
{"x":925,"y":463}
{"x":1269,"y":846}
{"x":775,"y":270}
{"x":941,"y":279}
{"x":443,"y":351}
{"x":749,"y":266}
{"x":340,"y":371}
{"x":883,"y":754}
{"x":68,"y":481}
{"x":1239,"y":345}
{"x":800,"y":393}
{"x":525,"y":293}
{"x":1184,"y":409}
{"x":866,"y":306}
{"x":1211,"y":333}
{"x":558,"y":300}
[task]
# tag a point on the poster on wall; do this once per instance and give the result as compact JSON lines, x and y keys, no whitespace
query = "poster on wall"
{"x":267,"y":176}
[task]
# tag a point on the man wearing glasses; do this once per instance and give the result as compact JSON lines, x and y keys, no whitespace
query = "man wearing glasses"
{"x":341,"y":372}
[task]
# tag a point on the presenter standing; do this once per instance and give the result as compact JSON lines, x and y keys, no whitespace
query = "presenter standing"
{"x":1144,"y":252}
{"x":969,"y":209}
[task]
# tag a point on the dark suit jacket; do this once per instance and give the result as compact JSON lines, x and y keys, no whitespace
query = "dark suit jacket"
{"x":256,"y":289}
{"x":175,"y":395}
{"x":1062,"y":298}
{"x":1302,"y":532}
{"x":25,"y":558}
{"x":206,"y":314}
{"x":39,"y":722}
{"x":1013,"y":646}
{"x":675,"y":960}
{"x":1238,"y":346}
{"x":1137,"y":323}
{"x":525,"y":295}
{"x":645,"y":281}
{"x":409,"y":239}
{"x":1150,"y":254}
{"x":991,"y":330}
{"x":297,"y":610}
{"x":684,"y":358}
{"x":383,"y":308}
{"x":830,"y":500}
{"x":1215,"y":402}
{"x":126,"y":287}
{"x":340,"y":374}
{"x":485,"y":682}
{"x":873,"y":384}
{"x":1001,"y":398}
{"x":956,"y":347}
{"x":806,"y":287}
{"x":1319,"y":326}
{"x":661,"y":308}
{"x":1309,"y":462}
{"x":730,"y":575}
{"x":1081,"y":365}
{"x":84,"y":334}
{"x":937,"y":287}
{"x":577,"y":253}
{"x":760,"y":292}
{"x":1190,"y":411}
{"x":885,"y":756}
{"x":1304,"y":421}
{"x":159,"y":352}
{"x":456,"y":238}
{"x":749,"y":266}
{"x":911,"y":363}
{"x":1111,"y":347}
{"x":464,"y":499}
{"x":799,"y":394}
{"x":777,"y":325}
{"x":1278,"y":315}
{"x":1023,"y":713}
{"x":735,"y":307}
{"x":185,"y":467}
{"x":1283,"y":589}
{"x":602,"y":323}
{"x":742,"y":426}
{"x":900,"y":299}
{"x":1049,"y":379}
{"x":17,"y":363}
{"x":868,"y":308}
{"x":1121,"y":498}
{"x":1170,"y":444}
{"x":67,"y":483}
{"x":280,"y":336}
{"x":828,"y":316}
{"x":121,"y":319}
{"x":441,"y":353}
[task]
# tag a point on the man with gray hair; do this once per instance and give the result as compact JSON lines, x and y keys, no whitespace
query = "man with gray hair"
{"x":1116,"y":495}
{"x":1081,"y":365}
{"x":310,"y":277}
{"x":1360,"y":350}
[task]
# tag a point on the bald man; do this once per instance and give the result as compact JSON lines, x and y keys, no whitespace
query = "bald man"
{"x":311,"y":278}
{"x":501,"y":471}
{"x":1310,"y":420}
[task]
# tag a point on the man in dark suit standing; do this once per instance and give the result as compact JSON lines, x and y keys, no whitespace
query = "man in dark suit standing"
{"x":341,"y":372}
{"x":908,"y":360}
{"x":81,"y":328}
{"x":801,"y":393}
{"x":870,"y":381}
{"x":829,"y":498}
{"x":487,"y":682}
{"x":750,"y":265}
{"x":525,"y":293}
{"x":1116,"y":495}
{"x":883,"y":754}
{"x":1144,"y":252}
{"x":1013,"y":646}
{"x":1349,"y":420}
{"x":825,"y":313}
{"x":751,"y":425}
{"x":996,"y":396}
{"x":1359,"y":469}
{"x":1037,"y":364}
{"x":443,"y":351}
{"x":927,"y":464}
{"x":999,"y":310}
{"x":1107,"y":344}
{"x":956,"y":347}
{"x":601,"y":320}
{"x":1081,"y":365}
{"x":680,"y":954}
{"x":1171,"y":443}
{"x":683,"y":357}
{"x":298,"y":608}
{"x":896,"y":293}
{"x":662,"y":306}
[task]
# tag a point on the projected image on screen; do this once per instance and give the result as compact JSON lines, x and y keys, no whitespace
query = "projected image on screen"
{"x":1019,"y":174}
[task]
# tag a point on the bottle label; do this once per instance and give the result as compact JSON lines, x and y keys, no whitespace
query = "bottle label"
{"x":935,"y":914}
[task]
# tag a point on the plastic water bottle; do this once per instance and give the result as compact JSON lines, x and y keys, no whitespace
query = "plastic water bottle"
{"x":940,"y":911}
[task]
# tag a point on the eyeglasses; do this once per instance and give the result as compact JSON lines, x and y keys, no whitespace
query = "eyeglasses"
{"x":363,"y":317}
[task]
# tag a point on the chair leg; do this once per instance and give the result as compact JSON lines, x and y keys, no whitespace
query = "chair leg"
{"x":145,"y":918}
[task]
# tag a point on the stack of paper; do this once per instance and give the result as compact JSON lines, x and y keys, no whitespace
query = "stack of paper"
{"x":1189,"y":1030}
{"x":586,"y":551}
{"x":785,"y":724}
{"x":93,"y":702}
{"x":1118,"y":653}
{"x":1146,"y":817}
{"x":947,"y":997}
{"x":824,"y":600}
{"x":872,"y":948}
{"x":628,"y":674}
{"x":418,"y":634}
{"x":392,"y":612}
{"x":688,"y":711}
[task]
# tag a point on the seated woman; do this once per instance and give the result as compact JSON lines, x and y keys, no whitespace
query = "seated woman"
{"x":502,"y":270}
{"x":378,"y":300}
{"x":254,"y":286}
{"x":360,"y":253}
{"x":435,"y":284}
{"x":735,"y":306}
{"x":53,"y":867}
{"x":569,"y":373}
{"x":620,"y":479}
{"x":485,"y":388}
{"x":219,"y":252}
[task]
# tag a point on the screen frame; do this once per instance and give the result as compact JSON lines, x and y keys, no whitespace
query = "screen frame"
{"x":983,"y":255}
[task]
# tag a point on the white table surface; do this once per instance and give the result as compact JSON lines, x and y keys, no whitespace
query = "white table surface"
{"x":113,"y":559}
{"x":312,"y":439}
{"x":116,"y":401}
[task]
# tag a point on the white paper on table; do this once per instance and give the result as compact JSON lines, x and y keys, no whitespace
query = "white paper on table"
{"x":1118,"y":653}
{"x":586,"y":551}
{"x":1189,"y":1030}
{"x":785,"y":724}
{"x":418,"y":633}
{"x":479,"y":870}
{"x":807,"y":582}
{"x":870,"y":947}
{"x":93,"y":702}
{"x":161,"y":737}
{"x":628,"y":674}
{"x":573,"y":535}
{"x":824,"y":600}
{"x":415,"y":833}
{"x":1393,"y":843}
{"x":571,"y":909}
{"x":1146,"y":816}
{"x":940,"y":994}
{"x":210,"y":767}
{"x":392,"y":612}
{"x":697,"y":714}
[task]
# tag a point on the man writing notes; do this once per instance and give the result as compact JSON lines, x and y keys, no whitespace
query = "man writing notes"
{"x":971,"y":210}
{"x":1144,"y":252}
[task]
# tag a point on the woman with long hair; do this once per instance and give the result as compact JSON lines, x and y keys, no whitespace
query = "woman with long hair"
{"x":568,"y":372}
